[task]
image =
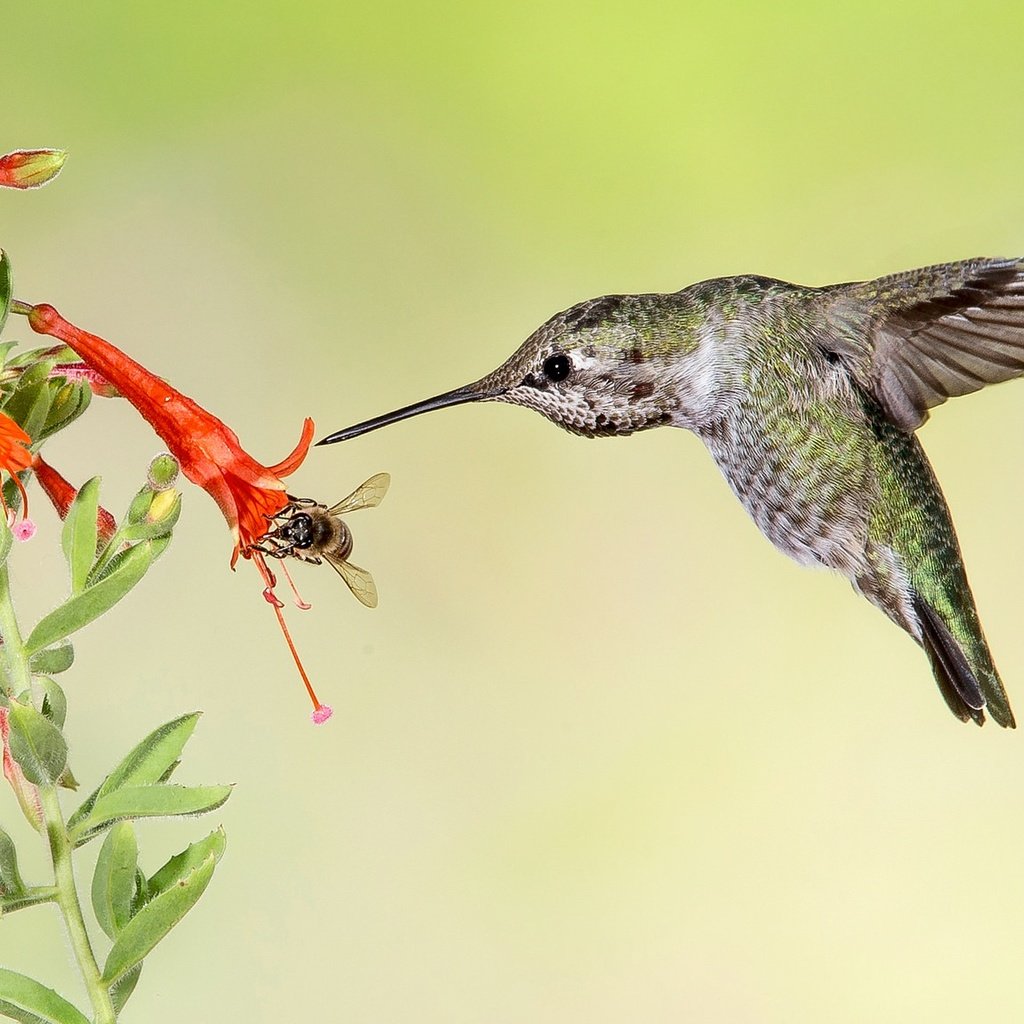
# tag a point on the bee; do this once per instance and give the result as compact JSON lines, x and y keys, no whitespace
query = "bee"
{"x":311,"y":532}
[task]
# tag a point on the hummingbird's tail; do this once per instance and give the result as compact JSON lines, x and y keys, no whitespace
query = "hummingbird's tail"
{"x":970,"y":686}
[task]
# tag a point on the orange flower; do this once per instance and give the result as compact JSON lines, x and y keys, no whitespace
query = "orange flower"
{"x":15,"y":456}
{"x":209,"y":452}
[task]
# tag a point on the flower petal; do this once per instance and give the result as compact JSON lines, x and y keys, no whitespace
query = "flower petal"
{"x":293,"y":461}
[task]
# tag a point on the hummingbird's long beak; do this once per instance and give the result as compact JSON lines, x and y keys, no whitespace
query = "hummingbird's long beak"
{"x":467,"y":393}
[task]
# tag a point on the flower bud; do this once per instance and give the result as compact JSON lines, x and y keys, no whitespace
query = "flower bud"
{"x":163,"y":471}
{"x":163,"y":506}
{"x":30,"y":168}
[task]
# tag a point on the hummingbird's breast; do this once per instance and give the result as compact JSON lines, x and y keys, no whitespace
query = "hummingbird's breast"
{"x":795,"y":447}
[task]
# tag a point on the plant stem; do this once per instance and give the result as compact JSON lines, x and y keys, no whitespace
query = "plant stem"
{"x":66,"y":895}
{"x":71,"y":908}
{"x":16,"y":670}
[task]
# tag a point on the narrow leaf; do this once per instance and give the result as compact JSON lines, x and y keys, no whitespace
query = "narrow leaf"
{"x":122,"y":989}
{"x":11,"y":883}
{"x":155,"y":920}
{"x":53,"y":660}
{"x":6,"y":287}
{"x":37,"y":745}
{"x":149,"y":759}
{"x":190,"y":858}
{"x":157,"y":801}
{"x":23,"y":999}
{"x":113,"y":882}
{"x":38,"y":411}
{"x":83,"y":608}
{"x":29,"y":898}
{"x":79,"y":535}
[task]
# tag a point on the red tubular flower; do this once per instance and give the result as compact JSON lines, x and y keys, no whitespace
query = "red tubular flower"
{"x":247,"y":492}
{"x":15,"y":456}
{"x":62,"y":494}
{"x":208,"y":451}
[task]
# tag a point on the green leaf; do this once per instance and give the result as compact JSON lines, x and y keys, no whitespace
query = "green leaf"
{"x":25,"y":1000}
{"x":141,"y":891}
{"x":29,"y":898}
{"x":31,"y":399}
{"x":11,"y":883}
{"x":6,"y":287}
{"x":156,"y":801}
{"x":53,"y":660}
{"x":55,"y":704}
{"x":104,"y":570}
{"x":78,"y":538}
{"x":122,"y":989}
{"x":6,"y":346}
{"x":147,"y":761}
{"x":181,"y":864}
{"x":155,"y":920}
{"x":38,"y":411}
{"x":37,"y":745}
{"x":69,"y":402}
{"x":150,"y":760}
{"x":113,"y":882}
{"x":80,"y":610}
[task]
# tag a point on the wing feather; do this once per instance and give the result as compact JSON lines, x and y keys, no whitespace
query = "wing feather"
{"x":915,"y":339}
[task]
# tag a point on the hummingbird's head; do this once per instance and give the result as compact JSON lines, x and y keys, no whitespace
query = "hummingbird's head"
{"x":612,"y":365}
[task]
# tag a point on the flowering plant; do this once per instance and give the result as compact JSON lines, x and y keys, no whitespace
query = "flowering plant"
{"x":43,"y":391}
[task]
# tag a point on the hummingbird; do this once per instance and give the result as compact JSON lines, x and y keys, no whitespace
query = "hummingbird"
{"x":808,"y":399}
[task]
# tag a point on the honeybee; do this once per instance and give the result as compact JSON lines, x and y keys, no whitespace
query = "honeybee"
{"x":311,"y":532}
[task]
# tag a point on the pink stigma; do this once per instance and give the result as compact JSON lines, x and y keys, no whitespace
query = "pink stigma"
{"x":321,"y":713}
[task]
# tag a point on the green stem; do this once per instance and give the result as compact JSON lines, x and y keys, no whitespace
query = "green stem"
{"x":17,"y":674}
{"x":71,"y":908}
{"x":66,"y":895}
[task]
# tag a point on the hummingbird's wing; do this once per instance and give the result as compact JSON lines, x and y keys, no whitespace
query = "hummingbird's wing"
{"x":915,"y":339}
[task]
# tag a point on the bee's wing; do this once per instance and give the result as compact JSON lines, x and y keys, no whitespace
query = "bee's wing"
{"x":359,"y":581}
{"x":367,"y":495}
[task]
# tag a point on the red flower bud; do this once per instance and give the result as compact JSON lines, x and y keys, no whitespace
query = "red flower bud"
{"x":30,"y":168}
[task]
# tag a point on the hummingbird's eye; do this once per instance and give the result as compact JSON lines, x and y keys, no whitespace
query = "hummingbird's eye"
{"x":557,"y":368}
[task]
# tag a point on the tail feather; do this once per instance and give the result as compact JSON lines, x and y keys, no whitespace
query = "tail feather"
{"x":967,"y":696}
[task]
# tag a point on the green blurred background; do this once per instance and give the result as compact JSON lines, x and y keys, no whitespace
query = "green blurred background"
{"x":601,"y":753}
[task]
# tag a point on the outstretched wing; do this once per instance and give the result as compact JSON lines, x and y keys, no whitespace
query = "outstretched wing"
{"x":359,"y":581}
{"x":368,"y":494}
{"x":920,"y":337}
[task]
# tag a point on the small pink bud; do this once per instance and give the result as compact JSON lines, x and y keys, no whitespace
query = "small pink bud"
{"x":30,"y":168}
{"x":321,"y":713}
{"x":23,"y":530}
